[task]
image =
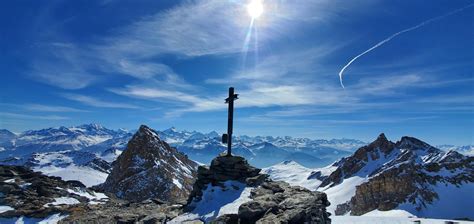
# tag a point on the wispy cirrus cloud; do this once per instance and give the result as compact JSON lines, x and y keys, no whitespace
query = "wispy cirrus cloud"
{"x":32,"y":117}
{"x":190,"y":29}
{"x":51,"y":108}
{"x":63,"y":65}
{"x":42,"y":107}
{"x":95,"y":102}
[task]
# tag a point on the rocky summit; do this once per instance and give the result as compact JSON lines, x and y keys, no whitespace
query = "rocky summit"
{"x":224,"y":168}
{"x":150,"y":169}
{"x":268,"y":201}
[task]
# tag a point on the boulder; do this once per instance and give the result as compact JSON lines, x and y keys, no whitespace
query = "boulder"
{"x":278,"y":202}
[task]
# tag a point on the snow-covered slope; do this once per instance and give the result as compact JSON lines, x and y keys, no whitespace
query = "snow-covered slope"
{"x":298,"y":175}
{"x":409,"y":176}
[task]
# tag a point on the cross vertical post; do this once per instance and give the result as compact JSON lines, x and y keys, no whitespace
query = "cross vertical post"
{"x":230,"y":117}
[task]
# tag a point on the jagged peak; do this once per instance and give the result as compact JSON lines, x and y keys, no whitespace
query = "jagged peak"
{"x":146,"y":130}
{"x":381,"y":141}
{"x":287,"y":162}
{"x":92,"y":125}
{"x":171,"y":129}
{"x":382,"y":137}
{"x":5,"y":131}
{"x":143,"y":128}
{"x":407,"y":142}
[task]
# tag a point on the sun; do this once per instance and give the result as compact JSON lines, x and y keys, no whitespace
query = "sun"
{"x":255,"y":8}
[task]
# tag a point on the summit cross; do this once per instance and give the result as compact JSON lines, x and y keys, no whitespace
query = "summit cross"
{"x":227,"y":138}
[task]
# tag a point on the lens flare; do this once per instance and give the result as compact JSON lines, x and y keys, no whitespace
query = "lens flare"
{"x":255,"y":8}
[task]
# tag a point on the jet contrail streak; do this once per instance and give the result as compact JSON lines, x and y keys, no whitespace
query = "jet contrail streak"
{"x":398,"y":33}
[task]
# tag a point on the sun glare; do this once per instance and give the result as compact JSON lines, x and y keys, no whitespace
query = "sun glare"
{"x":255,"y":8}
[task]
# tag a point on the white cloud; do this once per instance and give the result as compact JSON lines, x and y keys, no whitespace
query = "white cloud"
{"x":91,"y":101}
{"x":188,"y":101}
{"x":50,"y":108}
{"x":63,"y":65}
{"x":32,"y":117}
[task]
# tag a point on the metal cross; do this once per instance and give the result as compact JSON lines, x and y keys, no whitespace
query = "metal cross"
{"x":227,"y":138}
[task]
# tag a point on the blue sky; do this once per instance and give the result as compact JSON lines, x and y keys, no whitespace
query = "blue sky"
{"x":169,"y":63}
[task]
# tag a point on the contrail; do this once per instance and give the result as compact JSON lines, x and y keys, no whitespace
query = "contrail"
{"x":398,"y":33}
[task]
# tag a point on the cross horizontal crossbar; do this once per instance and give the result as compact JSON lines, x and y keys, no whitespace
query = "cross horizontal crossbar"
{"x":234,"y":97}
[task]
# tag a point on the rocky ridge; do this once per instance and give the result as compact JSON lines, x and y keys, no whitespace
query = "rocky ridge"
{"x":149,"y":168}
{"x":407,"y":171}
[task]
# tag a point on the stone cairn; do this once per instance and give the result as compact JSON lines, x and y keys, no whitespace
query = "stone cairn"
{"x":272,"y":201}
{"x":224,"y":168}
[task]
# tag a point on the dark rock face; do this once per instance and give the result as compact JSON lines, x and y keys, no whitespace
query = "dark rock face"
{"x":150,"y":168}
{"x":409,"y":183}
{"x":272,"y":202}
{"x":29,"y":193}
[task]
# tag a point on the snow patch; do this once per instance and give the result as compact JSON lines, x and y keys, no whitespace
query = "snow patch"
{"x":388,"y":220}
{"x":85,"y":175}
{"x":63,"y":201}
{"x":9,"y":181}
{"x":292,"y":173}
{"x":217,"y":201}
{"x":391,"y":213}
{"x":177,"y":183}
{"x":5,"y":208}
{"x":52,"y":219}
{"x":94,"y":197}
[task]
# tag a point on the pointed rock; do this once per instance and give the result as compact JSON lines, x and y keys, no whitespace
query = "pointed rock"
{"x":150,"y":168}
{"x":411,"y":143}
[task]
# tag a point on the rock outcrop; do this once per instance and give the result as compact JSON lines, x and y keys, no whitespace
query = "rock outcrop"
{"x":119,"y":211}
{"x":149,"y":168}
{"x":270,"y":201}
{"x":224,"y":168}
{"x":278,"y":202}
{"x":35,"y":195}
{"x":412,"y":183}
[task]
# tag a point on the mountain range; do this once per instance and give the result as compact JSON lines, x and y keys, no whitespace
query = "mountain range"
{"x":408,"y":177}
{"x":90,"y":149}
{"x":383,"y":178}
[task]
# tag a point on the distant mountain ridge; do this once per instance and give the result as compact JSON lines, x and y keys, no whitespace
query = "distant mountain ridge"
{"x":107,"y":144}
